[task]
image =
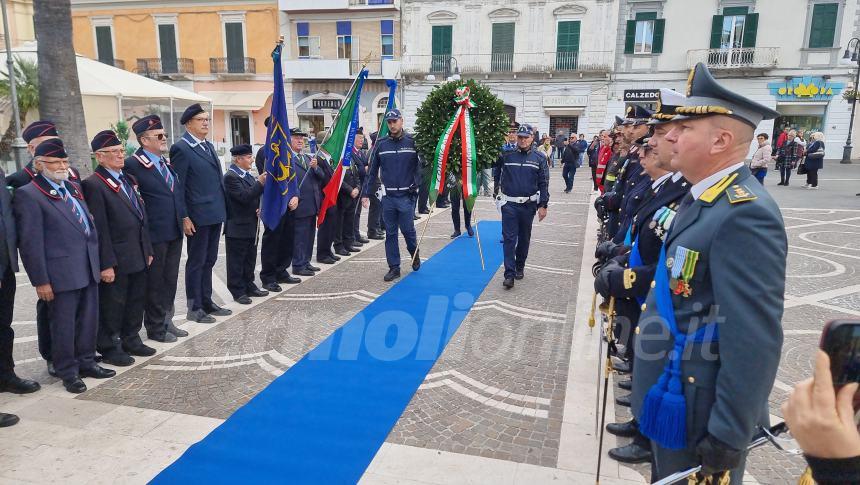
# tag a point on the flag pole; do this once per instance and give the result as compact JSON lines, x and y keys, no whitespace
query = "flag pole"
{"x":348,"y":95}
{"x":480,"y":251}
{"x":423,"y":232}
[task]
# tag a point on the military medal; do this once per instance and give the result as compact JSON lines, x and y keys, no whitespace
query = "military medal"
{"x":683,"y":269}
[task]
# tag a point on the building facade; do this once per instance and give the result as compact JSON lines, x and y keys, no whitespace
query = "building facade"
{"x":219,"y":49}
{"x":328,"y":42}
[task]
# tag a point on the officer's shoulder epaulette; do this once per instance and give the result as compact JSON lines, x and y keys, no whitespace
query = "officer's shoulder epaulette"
{"x":740,"y":193}
{"x":716,"y":190}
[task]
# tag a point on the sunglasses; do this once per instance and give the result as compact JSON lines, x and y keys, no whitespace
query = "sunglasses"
{"x":160,"y":136}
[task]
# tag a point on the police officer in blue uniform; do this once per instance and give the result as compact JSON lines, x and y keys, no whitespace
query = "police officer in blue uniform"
{"x":710,"y":335}
{"x":396,"y":157}
{"x":522,"y":181}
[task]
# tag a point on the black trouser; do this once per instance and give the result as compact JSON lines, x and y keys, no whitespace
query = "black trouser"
{"x":326,"y":233}
{"x":594,"y":176}
{"x":455,"y":211}
{"x":121,"y":312}
{"x":356,"y":220}
{"x":568,"y":170}
{"x":74,"y":323}
{"x":374,"y":214}
{"x":626,"y":320}
{"x":424,"y":190}
{"x":7,"y":335}
{"x":344,"y":236}
{"x":276,"y":251}
{"x":202,"y":256}
{"x":241,"y":260}
{"x":785,"y":173}
{"x":161,"y":286}
{"x":304,"y":241}
{"x":43,"y":329}
{"x":812,"y":177}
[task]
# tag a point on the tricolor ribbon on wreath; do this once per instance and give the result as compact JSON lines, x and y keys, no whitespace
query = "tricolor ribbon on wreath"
{"x":462,"y":120}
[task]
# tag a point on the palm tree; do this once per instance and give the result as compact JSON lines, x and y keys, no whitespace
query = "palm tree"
{"x":27,"y":87}
{"x":59,"y":87}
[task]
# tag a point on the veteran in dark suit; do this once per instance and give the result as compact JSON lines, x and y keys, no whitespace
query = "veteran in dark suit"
{"x":165,"y":210}
{"x":198,"y":171}
{"x":59,"y":249}
{"x":311,"y":178}
{"x":345,"y":241}
{"x":243,"y":218}
{"x":710,"y":333}
{"x":359,"y":158}
{"x":9,"y":381}
{"x":125,"y":252}
{"x":34,"y":134}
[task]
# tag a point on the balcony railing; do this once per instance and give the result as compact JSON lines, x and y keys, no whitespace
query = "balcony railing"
{"x":232,"y":65}
{"x":118,"y":63}
{"x":504,"y":63}
{"x":165,"y":67}
{"x":370,"y":2}
{"x":374,"y":68}
{"x":736,"y":58}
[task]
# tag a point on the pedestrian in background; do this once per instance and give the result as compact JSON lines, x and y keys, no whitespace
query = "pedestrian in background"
{"x":761,"y":158}
{"x":814,"y":159}
{"x":546,"y":148}
{"x":569,"y":160}
{"x":592,"y":151}
{"x":788,"y":156}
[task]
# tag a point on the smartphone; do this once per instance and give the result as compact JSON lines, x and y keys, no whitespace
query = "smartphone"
{"x":841,"y":341}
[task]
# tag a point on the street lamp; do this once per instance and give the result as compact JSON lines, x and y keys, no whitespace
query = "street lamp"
{"x":19,"y":147}
{"x":852,"y":54}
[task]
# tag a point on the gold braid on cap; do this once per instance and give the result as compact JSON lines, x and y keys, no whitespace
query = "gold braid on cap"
{"x":690,"y":82}
{"x":663,"y":116}
{"x":703,"y":110}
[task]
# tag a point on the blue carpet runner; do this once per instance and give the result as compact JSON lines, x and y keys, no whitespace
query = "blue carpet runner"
{"x":326,"y":417}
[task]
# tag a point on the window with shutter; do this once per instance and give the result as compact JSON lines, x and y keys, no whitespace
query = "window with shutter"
{"x":567,"y":45}
{"x":441,"y":48}
{"x":235,"y":47}
{"x":642,"y":32}
{"x":167,"y":48}
{"x":104,"y":44}
{"x":502,"y":59}
{"x":822,"y":30}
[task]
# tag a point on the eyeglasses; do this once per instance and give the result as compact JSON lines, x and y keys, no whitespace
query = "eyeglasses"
{"x":113,"y":151}
{"x":204,"y":119}
{"x":159,"y":136}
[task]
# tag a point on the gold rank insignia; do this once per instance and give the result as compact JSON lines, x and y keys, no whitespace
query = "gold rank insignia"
{"x":629,"y":278}
{"x":739,"y":193}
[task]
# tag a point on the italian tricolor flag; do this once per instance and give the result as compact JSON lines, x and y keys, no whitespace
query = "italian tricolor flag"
{"x":337,"y":147}
{"x":463,"y":120}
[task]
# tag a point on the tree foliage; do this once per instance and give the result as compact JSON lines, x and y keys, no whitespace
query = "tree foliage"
{"x":488,"y":118}
{"x":27,"y":89}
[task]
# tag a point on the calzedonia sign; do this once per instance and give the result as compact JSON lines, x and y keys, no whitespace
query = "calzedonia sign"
{"x":641,"y":95}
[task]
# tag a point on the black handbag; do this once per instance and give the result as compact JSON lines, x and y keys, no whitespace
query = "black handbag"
{"x":801,"y":170}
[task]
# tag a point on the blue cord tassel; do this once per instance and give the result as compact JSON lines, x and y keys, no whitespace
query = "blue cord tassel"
{"x":672,"y":422}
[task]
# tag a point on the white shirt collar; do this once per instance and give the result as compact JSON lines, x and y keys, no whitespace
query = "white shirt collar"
{"x":677,"y":176}
{"x":698,"y":189}
{"x":239,"y":170}
{"x":197,"y":141}
{"x":660,"y":180}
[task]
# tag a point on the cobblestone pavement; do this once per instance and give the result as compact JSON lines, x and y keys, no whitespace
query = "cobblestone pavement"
{"x":498,"y":390}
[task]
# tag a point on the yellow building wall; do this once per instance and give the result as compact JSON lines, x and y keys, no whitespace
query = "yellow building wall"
{"x":367,"y":32}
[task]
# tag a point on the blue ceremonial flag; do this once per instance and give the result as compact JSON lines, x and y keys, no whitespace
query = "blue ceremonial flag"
{"x":281,"y":180}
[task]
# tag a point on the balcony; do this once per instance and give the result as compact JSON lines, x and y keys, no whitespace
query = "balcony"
{"x":118,"y":63}
{"x":339,"y":68}
{"x":232,"y":66}
{"x":544,"y":63}
{"x":338,"y":5}
{"x":751,"y":58}
{"x":165,"y":68}
{"x":369,"y":3}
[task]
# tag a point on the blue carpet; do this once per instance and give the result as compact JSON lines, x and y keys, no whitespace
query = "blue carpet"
{"x":326,"y":417}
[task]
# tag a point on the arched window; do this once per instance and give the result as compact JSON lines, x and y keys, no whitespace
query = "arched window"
{"x":382,"y":103}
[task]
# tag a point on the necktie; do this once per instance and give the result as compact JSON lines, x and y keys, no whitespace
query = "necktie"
{"x":249,"y":177}
{"x":687,"y":201}
{"x":165,"y":173}
{"x":129,"y":192}
{"x":78,"y":214}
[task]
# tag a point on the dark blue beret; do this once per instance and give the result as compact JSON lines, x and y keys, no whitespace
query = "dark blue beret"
{"x":191,"y":112}
{"x":243,"y":149}
{"x":51,"y":148}
{"x":147,"y":123}
{"x":104,"y":139}
{"x":39,"y":128}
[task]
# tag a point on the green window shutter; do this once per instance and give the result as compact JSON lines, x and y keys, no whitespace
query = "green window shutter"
{"x":568,"y":37}
{"x":750,"y":30}
{"x":659,"y":29}
{"x":235,"y":42}
{"x":503,"y":38}
{"x":630,"y":37}
{"x":823,"y":28}
{"x":646,"y":16}
{"x":167,"y":41}
{"x":104,"y":45}
{"x":441,"y":43}
{"x":729,"y":11}
{"x":716,"y":31}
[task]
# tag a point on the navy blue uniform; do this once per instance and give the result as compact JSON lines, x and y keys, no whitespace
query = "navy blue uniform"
{"x":240,"y":231}
{"x":359,"y":159}
{"x":199,"y":180}
{"x":524,"y":174}
{"x":311,"y":181}
{"x":276,"y":247}
{"x":8,"y":267}
{"x":400,"y":166}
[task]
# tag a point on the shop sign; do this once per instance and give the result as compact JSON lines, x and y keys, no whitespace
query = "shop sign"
{"x":327,"y":103}
{"x":805,"y":88}
{"x":641,"y":95}
{"x":565,"y":101}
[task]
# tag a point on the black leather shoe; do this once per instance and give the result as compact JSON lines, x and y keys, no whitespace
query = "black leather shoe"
{"x":51,"y":371}
{"x":303,"y":272}
{"x":455,"y":235}
{"x":176,"y":331}
{"x":290,"y":280}
{"x":632,"y":453}
{"x":334,"y":257}
{"x":626,"y":385}
{"x":7,"y":420}
{"x":624,"y":430}
{"x":118,"y":359}
{"x":97,"y":372}
{"x":199,"y":316}
{"x":356,"y":243}
{"x":623,"y":401}
{"x":415,"y":218}
{"x":326,"y":260}
{"x":341,"y":252}
{"x":353,"y":249}
{"x":519,"y":275}
{"x":217,"y":311}
{"x":244,"y":300}
{"x":441,"y":206}
{"x":416,"y":261}
{"x":164,"y":337}
{"x":362,"y":239}
{"x":258,"y":293}
{"x":312,"y":268}
{"x":470,"y":231}
{"x":375,"y":235}
{"x":424,"y":211}
{"x":392,"y":274}
{"x":74,"y":385}
{"x":139,"y":350}
{"x":622,"y":367}
{"x":16,"y":385}
{"x":273,"y":287}
{"x":508,"y":283}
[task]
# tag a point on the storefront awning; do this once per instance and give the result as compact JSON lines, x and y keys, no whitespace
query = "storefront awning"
{"x":238,"y":101}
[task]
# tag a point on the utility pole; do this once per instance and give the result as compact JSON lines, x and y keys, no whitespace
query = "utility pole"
{"x":19,"y":147}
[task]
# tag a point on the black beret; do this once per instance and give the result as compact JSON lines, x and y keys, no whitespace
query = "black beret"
{"x":191,"y":112}
{"x":51,"y":148}
{"x":297,"y":132}
{"x":104,"y":139}
{"x":39,"y":128}
{"x":243,"y":149}
{"x":267,"y":121}
{"x":147,"y":123}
